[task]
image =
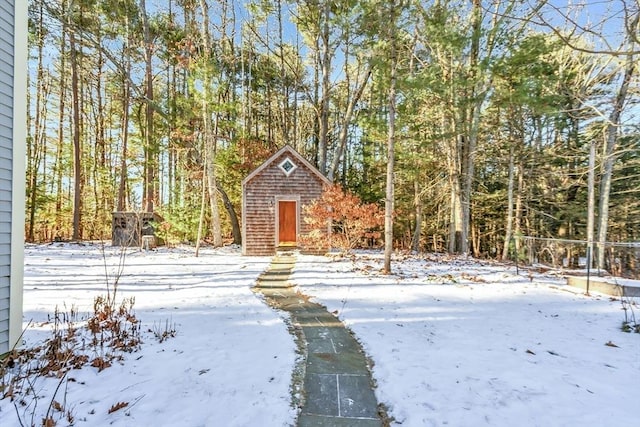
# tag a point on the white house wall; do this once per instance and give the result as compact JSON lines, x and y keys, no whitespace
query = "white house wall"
{"x":13,"y":109}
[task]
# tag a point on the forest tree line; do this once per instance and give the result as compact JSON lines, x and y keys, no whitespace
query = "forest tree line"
{"x":479,"y":120}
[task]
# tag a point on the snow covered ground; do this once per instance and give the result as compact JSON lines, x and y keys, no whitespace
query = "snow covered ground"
{"x":229,"y":364}
{"x":468,"y":343}
{"x":454,"y":342}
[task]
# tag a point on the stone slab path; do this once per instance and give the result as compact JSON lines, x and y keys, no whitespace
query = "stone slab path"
{"x":337,"y":385}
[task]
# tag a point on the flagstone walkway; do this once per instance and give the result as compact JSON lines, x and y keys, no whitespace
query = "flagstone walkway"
{"x":337,"y":384}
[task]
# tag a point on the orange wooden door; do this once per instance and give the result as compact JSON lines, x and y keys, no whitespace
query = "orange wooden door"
{"x":287,"y":222}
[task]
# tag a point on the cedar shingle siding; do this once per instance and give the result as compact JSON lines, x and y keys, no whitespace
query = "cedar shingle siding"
{"x":12,"y":131}
{"x":261,"y":191}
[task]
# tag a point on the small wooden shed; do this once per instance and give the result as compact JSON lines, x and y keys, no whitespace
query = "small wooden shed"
{"x":135,"y":229}
{"x":272,"y":199}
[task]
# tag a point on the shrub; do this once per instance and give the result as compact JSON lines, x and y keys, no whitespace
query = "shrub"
{"x":349,"y":220}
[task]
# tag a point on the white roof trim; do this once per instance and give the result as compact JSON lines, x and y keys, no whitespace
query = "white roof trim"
{"x":287,"y":149}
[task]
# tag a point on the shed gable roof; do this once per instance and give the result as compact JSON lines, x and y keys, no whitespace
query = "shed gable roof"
{"x":293,"y":153}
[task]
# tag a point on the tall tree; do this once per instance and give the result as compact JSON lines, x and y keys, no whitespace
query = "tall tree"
{"x":627,"y":72}
{"x":36,"y":141}
{"x":76,"y":124}
{"x":209,"y":130}
{"x":121,"y":204}
{"x":150,"y":145}
{"x":394,"y":10}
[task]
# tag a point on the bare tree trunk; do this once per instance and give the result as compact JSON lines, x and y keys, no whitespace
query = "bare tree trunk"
{"x":470,"y":141}
{"x":611,"y":142}
{"x":591,"y":201}
{"x":316,"y":101}
{"x":61,"y":134}
{"x":245,"y":76}
{"x":149,"y":146}
{"x":284,"y":108}
{"x":326,"y":90}
{"x":36,"y":142}
{"x":344,"y":130}
{"x":509,"y":224}
{"x":389,"y":193}
{"x":77,"y":166}
{"x":212,"y":186}
{"x":126,"y":90}
{"x":296,"y":141}
{"x":518,"y":218}
{"x":100,"y":171}
{"x":417,"y":233}
{"x":206,"y":119}
{"x":172,"y":103}
{"x":203,"y":203}
{"x":456,"y":232}
{"x":209,"y":134}
{"x":235,"y":224}
{"x":454,"y":160}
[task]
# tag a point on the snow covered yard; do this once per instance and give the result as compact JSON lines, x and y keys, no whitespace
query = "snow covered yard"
{"x":460,"y":343}
{"x":229,"y":364}
{"x":465,"y":343}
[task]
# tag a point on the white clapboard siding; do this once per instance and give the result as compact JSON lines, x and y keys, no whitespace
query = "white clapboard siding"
{"x":6,"y":142}
{"x":13,"y":59}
